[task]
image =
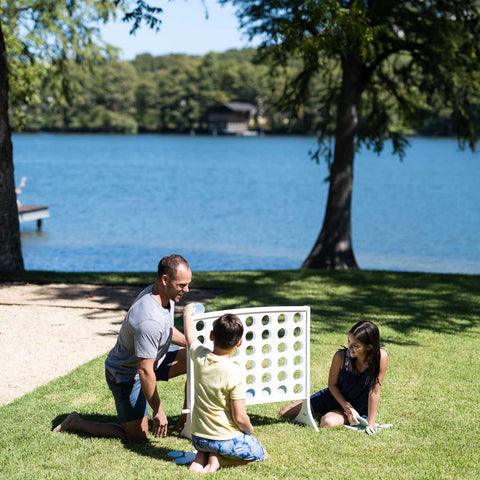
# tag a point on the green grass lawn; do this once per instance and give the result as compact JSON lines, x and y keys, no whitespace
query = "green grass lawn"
{"x":429,"y":324}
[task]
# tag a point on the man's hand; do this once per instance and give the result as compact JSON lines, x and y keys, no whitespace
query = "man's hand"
{"x":160,"y":423}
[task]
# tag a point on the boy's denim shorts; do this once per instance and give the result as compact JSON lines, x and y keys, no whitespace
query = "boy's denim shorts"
{"x":129,"y":399}
{"x":244,"y":447}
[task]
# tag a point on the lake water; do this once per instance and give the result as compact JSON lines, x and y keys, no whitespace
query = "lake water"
{"x":119,"y":203}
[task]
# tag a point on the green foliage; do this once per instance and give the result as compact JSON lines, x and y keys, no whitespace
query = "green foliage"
{"x":172,"y":93}
{"x":400,"y":61}
{"x":45,"y":40}
{"x":418,"y":64}
{"x":155,"y":94}
{"x":429,"y":325}
{"x":41,"y":36}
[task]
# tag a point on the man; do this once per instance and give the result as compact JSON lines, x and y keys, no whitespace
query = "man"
{"x":141,"y":357}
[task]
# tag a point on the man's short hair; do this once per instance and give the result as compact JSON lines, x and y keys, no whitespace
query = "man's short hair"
{"x":227,"y":331}
{"x":169,"y":264}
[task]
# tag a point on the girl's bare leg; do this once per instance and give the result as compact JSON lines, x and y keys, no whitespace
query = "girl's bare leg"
{"x":291,"y":410}
{"x":334,"y":418}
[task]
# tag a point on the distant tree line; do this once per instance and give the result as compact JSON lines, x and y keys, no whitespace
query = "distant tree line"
{"x":172,"y":93}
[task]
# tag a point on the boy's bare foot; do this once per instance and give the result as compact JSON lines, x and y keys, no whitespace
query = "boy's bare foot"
{"x":213,"y":464}
{"x":67,"y":424}
{"x":195,"y":467}
{"x":199,"y":463}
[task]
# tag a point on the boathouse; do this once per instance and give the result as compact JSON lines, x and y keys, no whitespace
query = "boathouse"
{"x":233,"y":118}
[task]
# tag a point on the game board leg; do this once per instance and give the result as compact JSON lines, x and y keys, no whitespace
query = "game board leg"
{"x":305,"y":416}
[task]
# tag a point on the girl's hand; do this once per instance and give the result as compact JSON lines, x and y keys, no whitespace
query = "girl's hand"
{"x":371,"y":430}
{"x":352,"y":415}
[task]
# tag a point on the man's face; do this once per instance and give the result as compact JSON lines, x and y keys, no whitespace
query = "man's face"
{"x":176,"y":287}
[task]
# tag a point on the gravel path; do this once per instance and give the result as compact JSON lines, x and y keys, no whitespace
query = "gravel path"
{"x":48,"y":330}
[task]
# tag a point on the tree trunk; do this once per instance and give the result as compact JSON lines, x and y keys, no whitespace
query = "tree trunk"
{"x":11,"y":259}
{"x":333,"y":248}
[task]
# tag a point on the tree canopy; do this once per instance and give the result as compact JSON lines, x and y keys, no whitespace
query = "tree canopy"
{"x":361,"y":72}
{"x":172,"y":93}
{"x":383,"y":61}
{"x":39,"y":38}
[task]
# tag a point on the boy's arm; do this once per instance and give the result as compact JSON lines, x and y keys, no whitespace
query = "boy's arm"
{"x":240,"y":416}
{"x":188,"y":328}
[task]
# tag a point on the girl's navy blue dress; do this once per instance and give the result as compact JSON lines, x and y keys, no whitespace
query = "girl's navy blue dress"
{"x":354,"y":387}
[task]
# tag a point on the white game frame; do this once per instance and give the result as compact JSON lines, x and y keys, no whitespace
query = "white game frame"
{"x":275,"y":353}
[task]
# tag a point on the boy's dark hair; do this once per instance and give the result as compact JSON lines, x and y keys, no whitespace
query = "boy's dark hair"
{"x":227,"y":331}
{"x":169,"y":265}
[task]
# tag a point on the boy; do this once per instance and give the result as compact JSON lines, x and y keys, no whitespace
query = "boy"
{"x":221,"y":428}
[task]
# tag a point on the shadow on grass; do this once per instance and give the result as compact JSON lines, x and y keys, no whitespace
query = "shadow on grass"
{"x":444,"y":303}
{"x":145,"y":447}
{"x":148,"y":448}
{"x":403,"y":301}
{"x":260,"y":420}
{"x":99,"y":297}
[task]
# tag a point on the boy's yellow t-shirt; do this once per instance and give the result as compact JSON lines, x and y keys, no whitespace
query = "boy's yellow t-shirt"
{"x":218,"y":380}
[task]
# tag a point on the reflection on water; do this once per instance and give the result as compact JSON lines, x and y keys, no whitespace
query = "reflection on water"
{"x":29,"y":234}
{"x":122,"y":202}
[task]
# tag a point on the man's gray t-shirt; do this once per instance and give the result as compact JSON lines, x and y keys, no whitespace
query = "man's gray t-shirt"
{"x":146,"y":332}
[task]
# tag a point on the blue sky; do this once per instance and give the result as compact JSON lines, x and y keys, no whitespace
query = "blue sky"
{"x":184,"y":29}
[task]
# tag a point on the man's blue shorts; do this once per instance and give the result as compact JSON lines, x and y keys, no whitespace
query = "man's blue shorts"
{"x":129,"y":399}
{"x":244,"y":447}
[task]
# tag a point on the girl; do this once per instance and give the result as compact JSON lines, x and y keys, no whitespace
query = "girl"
{"x":354,"y":382}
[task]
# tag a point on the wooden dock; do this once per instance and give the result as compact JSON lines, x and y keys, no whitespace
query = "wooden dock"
{"x":29,"y":213}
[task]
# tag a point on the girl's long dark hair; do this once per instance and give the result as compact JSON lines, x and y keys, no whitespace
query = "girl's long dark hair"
{"x":367,"y":333}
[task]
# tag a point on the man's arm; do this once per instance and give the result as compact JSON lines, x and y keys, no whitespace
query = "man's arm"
{"x":148,"y":381}
{"x":178,"y":338}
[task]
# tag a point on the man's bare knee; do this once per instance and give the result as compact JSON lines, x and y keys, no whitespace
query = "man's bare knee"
{"x":136,"y":430}
{"x":179,"y":365}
